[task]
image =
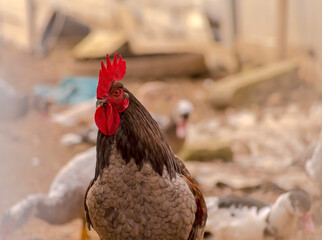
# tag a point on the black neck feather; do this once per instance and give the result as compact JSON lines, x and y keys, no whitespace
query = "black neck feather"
{"x":138,"y":137}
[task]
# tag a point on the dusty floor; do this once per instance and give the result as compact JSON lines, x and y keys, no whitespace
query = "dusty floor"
{"x":30,"y":153}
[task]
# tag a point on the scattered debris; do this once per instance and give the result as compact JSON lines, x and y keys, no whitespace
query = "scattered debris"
{"x":35,"y":161}
{"x":70,"y":139}
{"x":242,"y":119}
{"x":210,"y":175}
{"x":75,"y":114}
{"x":87,"y":135}
{"x":313,"y":165}
{"x":295,"y":179}
{"x":272,"y":141}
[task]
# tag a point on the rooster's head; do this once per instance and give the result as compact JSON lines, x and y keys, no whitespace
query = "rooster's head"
{"x":111,"y":98}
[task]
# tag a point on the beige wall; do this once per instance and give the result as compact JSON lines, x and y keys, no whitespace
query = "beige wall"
{"x":13,"y":22}
{"x":257,"y":23}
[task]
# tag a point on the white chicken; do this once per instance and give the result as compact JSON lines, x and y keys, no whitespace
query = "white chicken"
{"x":244,"y":218}
{"x":64,"y":201}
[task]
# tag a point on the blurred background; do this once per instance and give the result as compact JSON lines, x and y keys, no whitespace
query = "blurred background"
{"x":250,"y":70}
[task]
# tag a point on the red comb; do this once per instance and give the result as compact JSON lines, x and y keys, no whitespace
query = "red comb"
{"x":110,"y":74}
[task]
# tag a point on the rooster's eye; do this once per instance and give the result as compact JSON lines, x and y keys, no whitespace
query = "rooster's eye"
{"x":117,"y":93}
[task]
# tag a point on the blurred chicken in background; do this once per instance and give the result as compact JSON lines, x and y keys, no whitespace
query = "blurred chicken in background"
{"x":175,"y":127}
{"x":244,"y":218}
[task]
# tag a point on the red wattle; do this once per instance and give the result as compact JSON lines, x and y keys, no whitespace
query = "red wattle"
{"x":107,"y":119}
{"x":113,"y":120}
{"x":100,"y":120}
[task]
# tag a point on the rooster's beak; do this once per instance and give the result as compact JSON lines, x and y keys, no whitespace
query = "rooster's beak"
{"x":100,"y":102}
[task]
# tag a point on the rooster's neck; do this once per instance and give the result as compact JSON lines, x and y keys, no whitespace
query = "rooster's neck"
{"x":138,"y":137}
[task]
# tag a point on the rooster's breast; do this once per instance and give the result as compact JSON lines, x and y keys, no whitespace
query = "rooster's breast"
{"x":128,"y":203}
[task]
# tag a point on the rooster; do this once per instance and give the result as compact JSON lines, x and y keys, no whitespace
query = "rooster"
{"x":140,"y":190}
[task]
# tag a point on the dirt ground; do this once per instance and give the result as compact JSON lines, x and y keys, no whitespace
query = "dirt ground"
{"x":30,"y":150}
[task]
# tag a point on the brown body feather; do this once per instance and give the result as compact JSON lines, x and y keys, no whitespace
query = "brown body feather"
{"x":139,"y":138}
{"x":199,"y":224}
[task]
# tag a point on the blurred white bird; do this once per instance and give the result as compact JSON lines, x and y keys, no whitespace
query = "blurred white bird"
{"x":244,"y":218}
{"x":64,"y":201}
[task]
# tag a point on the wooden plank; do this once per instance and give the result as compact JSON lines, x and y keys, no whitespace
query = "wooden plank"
{"x":154,"y":66}
{"x":207,"y":150}
{"x":242,"y":88}
{"x":166,"y":65}
{"x":98,"y":43}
